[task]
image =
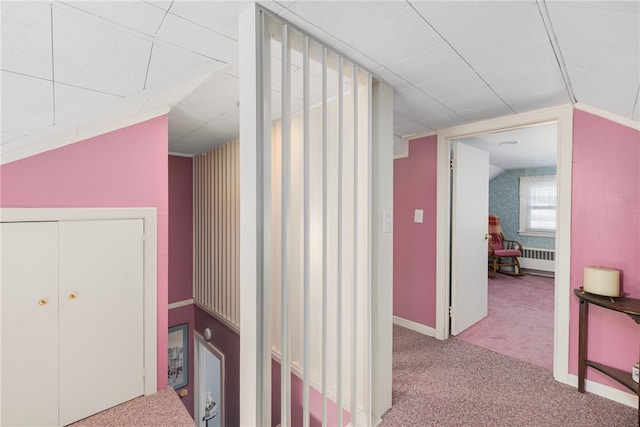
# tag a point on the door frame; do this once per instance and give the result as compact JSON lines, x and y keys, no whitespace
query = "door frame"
{"x":149,"y":217}
{"x":563,"y":115}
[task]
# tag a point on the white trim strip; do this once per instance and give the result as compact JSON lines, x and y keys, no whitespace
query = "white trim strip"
{"x":173,"y":153}
{"x":179,"y":304}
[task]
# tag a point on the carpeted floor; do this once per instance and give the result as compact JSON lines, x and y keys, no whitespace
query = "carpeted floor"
{"x":520,"y":319}
{"x":454,"y":383}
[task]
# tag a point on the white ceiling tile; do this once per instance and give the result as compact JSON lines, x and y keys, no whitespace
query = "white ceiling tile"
{"x":597,"y":28}
{"x":453,"y":19}
{"x":521,"y":65}
{"x":398,"y":37}
{"x":183,"y":33}
{"x":604,"y":62}
{"x":215,"y":133}
{"x":27,"y":103}
{"x":274,"y":6}
{"x":357,"y":57}
{"x":73,"y":102}
{"x":542,"y":89}
{"x":222,"y":85}
{"x":97,"y":56}
{"x":617,"y":96}
{"x":392,"y":78}
{"x":136,"y":15}
{"x":430,"y":64}
{"x":169,"y":62}
{"x":484,"y":112}
{"x":161,"y":4}
{"x":203,"y":106}
{"x":521,"y":31}
{"x":405,"y":126}
{"x":26,"y":38}
{"x":449,"y":85}
{"x":219,"y":16}
{"x":550,"y":98}
{"x":423,"y":109}
{"x":337,"y":17}
{"x":465,"y":100}
{"x":8,"y":137}
{"x":180,"y":127}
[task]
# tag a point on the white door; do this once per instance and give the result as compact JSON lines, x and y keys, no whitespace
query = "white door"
{"x":469,"y":226}
{"x":29,"y":323}
{"x":101,"y":315}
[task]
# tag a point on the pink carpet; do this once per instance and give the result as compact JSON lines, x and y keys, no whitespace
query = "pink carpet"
{"x":520,"y":320}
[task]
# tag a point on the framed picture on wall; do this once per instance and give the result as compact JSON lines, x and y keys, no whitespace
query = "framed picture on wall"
{"x":178,"y":355}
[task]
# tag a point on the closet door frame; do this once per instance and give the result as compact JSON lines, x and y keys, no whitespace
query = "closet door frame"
{"x":149,"y":217}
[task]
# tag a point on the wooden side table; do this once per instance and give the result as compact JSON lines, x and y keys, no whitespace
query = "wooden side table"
{"x":628,"y":306}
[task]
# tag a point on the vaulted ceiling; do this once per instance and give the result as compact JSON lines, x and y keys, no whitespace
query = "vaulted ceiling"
{"x":69,"y":68}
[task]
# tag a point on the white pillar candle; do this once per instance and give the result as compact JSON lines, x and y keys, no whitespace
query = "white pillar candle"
{"x":602,"y":281}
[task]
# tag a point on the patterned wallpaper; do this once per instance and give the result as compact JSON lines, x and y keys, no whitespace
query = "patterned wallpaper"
{"x":504,"y":201}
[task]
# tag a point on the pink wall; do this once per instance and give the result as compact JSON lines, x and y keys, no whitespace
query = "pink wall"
{"x":414,"y":245}
{"x":605,"y":231}
{"x":181,"y":256}
{"x":123,"y":168}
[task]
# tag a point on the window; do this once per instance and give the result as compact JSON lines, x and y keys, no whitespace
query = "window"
{"x":538,"y":205}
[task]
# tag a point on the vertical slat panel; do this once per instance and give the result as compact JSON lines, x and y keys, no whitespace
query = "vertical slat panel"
{"x":223,"y":234}
{"x":325,"y":238}
{"x":216,"y":231}
{"x":354,"y":320}
{"x":285,"y":382}
{"x":340,"y":238}
{"x":307,"y":233}
{"x":368,"y":172}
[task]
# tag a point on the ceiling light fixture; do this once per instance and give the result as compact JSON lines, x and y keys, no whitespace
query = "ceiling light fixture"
{"x":512,"y":142}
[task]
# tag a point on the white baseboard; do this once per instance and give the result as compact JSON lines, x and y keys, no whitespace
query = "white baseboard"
{"x":414,"y":326}
{"x":607,"y":392}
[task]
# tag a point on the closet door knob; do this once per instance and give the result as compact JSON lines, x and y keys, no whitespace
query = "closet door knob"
{"x":73,"y":296}
{"x":43,"y":301}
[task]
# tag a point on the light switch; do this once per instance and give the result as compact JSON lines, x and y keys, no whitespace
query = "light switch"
{"x":418,"y":216}
{"x":387,"y":222}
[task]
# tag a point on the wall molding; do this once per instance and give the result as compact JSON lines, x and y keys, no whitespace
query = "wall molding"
{"x":605,"y":391}
{"x":414,"y":326}
{"x":420,"y":135}
{"x":173,"y":153}
{"x":625,"y":121}
{"x":179,"y":304}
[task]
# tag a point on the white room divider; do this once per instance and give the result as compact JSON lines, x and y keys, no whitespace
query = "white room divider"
{"x":306,"y":225}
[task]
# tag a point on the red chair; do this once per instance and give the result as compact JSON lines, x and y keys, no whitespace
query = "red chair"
{"x":502,"y":252}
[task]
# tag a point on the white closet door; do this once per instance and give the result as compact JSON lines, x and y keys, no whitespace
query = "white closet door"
{"x":101,"y":315}
{"x":29,"y":323}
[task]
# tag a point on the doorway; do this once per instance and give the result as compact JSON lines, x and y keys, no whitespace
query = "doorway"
{"x":209,"y":384}
{"x":521,"y":157}
{"x":564,"y":118}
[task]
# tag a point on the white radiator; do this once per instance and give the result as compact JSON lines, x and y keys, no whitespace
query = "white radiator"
{"x":538,"y":259}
